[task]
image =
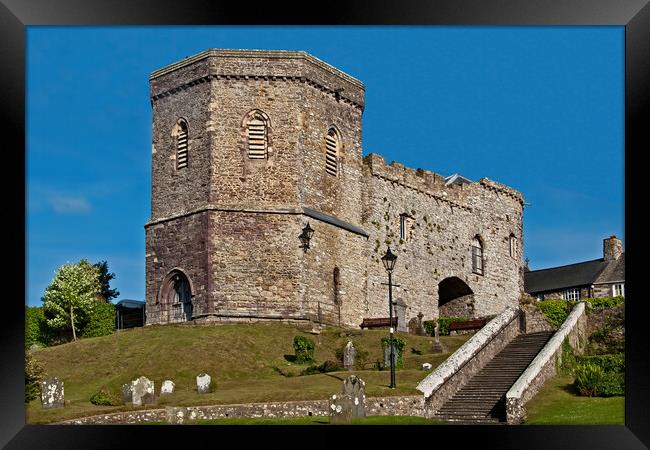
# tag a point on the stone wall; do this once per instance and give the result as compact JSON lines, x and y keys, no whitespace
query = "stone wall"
{"x":469,"y":359}
{"x":534,"y":320}
{"x":546,"y":364}
{"x":437,"y":245}
{"x":375,"y":406}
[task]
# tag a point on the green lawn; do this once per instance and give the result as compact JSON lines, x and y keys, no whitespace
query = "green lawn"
{"x":558,"y":404}
{"x":248,"y":363}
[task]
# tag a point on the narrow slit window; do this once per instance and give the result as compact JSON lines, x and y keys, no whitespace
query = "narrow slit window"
{"x":181,"y":146}
{"x":477,"y":256}
{"x":332,"y":144}
{"x":513,"y":246}
{"x":257,"y":132}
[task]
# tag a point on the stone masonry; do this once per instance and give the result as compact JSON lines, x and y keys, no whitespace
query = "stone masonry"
{"x":222,"y":240}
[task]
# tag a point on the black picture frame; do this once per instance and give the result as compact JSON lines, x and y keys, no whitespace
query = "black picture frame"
{"x":15,"y":15}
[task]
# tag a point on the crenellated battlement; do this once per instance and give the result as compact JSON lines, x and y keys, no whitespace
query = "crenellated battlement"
{"x":433,"y":184}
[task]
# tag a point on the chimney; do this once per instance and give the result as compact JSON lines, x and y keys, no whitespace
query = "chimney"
{"x":612,"y":248}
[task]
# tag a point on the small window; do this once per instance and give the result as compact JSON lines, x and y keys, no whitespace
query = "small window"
{"x":513,"y":246}
{"x":477,"y":256}
{"x":571,"y":294}
{"x":406,"y":224}
{"x":257,"y":135}
{"x":540,"y":297}
{"x":181,"y":145}
{"x":332,"y":144}
{"x":618,"y":290}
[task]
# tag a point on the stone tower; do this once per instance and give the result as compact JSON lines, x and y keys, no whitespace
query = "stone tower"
{"x":247,"y":148}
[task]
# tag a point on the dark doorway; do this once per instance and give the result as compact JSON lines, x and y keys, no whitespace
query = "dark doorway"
{"x":455,"y":298}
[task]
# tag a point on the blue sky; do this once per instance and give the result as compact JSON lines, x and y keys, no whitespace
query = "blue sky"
{"x":538,"y":108}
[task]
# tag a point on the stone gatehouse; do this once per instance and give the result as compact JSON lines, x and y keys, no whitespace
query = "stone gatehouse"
{"x":250,"y":146}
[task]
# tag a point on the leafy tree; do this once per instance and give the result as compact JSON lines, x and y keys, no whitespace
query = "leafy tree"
{"x":70,"y":296}
{"x":105,"y":278}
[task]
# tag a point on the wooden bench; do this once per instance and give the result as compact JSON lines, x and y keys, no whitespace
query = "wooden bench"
{"x":476,"y":324}
{"x":378,"y":322}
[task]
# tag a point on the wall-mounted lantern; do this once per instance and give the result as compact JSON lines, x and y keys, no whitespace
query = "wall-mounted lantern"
{"x":305,"y":236}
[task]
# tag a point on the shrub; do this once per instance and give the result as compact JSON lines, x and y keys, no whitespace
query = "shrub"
{"x":556,"y":311}
{"x":104,"y":397}
{"x":303,"y":347}
{"x":327,"y":366}
{"x":34,"y":374}
{"x":588,"y":378}
{"x":606,"y":302}
{"x":101,"y":320}
{"x":609,"y":363}
{"x":399,"y":344}
{"x":430,"y":325}
{"x":612,"y":384}
{"x":36,"y":328}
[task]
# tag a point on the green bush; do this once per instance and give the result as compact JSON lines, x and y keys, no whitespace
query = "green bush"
{"x":556,"y":311}
{"x":609,"y":363}
{"x":327,"y":366}
{"x":612,"y":384}
{"x":104,"y":397}
{"x":36,"y":329}
{"x":606,"y":302}
{"x":588,"y":379}
{"x":34,"y":374}
{"x":303,"y":348}
{"x":398,"y":344}
{"x":430,"y":325}
{"x":101,"y":320}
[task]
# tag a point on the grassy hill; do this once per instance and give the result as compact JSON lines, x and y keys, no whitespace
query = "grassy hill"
{"x":247,"y":362}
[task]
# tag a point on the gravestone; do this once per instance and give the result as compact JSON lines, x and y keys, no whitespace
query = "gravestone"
{"x":350,"y":403}
{"x":356,"y":388}
{"x":400,"y":315}
{"x":349,"y":356}
{"x":416,"y":326}
{"x":127,"y":393}
{"x":387,"y":355}
{"x":167,"y":387}
{"x":203,"y":381}
{"x":143,"y":392}
{"x":52,"y":395}
{"x":438,"y":347}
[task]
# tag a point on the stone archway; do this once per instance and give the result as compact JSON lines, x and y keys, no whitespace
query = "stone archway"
{"x":176,"y":296}
{"x":455,"y":298}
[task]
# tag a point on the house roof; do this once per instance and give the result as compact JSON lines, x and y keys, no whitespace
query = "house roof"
{"x":572,"y":275}
{"x":131,"y":304}
{"x":615,"y":271}
{"x":456,"y":179}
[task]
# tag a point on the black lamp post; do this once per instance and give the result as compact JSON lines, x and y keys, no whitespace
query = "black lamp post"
{"x":389,"y":263}
{"x":305,"y":236}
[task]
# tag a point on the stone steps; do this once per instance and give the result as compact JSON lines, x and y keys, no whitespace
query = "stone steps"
{"x":481,"y":400}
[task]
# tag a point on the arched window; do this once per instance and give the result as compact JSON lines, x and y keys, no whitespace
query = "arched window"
{"x":181,"y":145}
{"x":332,"y":147}
{"x":477,"y":256}
{"x":257,"y":134}
{"x":513,"y":245}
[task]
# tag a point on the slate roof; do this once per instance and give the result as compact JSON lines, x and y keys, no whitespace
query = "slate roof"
{"x":456,"y":179}
{"x":615,"y":271}
{"x":572,"y":275}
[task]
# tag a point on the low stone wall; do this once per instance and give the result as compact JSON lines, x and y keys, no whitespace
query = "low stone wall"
{"x":546,"y":364}
{"x":470,"y":358}
{"x":534,"y":320}
{"x":601,"y":318}
{"x":412,"y":405}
